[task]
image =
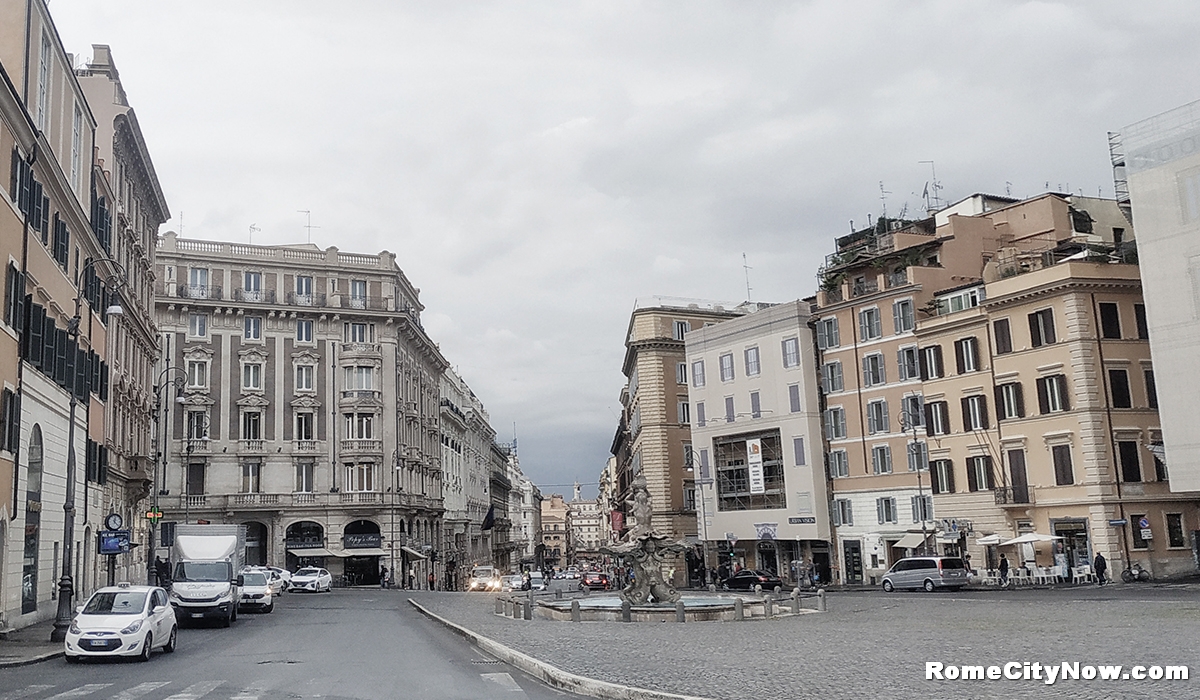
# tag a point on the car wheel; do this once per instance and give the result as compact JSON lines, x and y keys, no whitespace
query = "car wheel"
{"x":170,"y":646}
{"x":888,"y":587}
{"x":227,"y":621}
{"x":269,"y":608}
{"x":73,"y":659}
{"x":929,"y":587}
{"x":147,"y":644}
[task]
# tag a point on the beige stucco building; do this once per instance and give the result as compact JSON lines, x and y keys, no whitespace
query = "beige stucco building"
{"x":556,"y":536}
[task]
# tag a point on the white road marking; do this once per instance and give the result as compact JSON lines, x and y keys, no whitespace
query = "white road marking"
{"x":138,"y":691}
{"x":503,"y":681}
{"x":251,"y":693}
{"x":27,"y":690}
{"x":80,"y":691}
{"x":196,"y":691}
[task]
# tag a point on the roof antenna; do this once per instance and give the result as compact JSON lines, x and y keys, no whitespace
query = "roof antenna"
{"x":883,"y":198}
{"x":308,"y":226}
{"x":746,"y":268}
{"x":253,"y":228}
{"x":1008,"y":188}
{"x":933,"y":201}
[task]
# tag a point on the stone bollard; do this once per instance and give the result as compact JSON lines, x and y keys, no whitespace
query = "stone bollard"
{"x":515,"y":608}
{"x":778,"y":590}
{"x":585,"y":591}
{"x":821,"y":607}
{"x":795,"y":601}
{"x":499,"y":606}
{"x":558,"y":594}
{"x":528,"y":610}
{"x":739,"y":612}
{"x":769,"y":607}
{"x":712,"y":588}
{"x":576,"y":616}
{"x":758,"y":589}
{"x":680,"y":615}
{"x":626,"y":611}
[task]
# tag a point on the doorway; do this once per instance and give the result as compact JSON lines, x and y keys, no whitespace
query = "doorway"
{"x":852,"y":551}
{"x":1074,"y":549}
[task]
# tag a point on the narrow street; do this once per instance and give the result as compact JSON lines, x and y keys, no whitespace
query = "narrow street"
{"x":352,"y":644}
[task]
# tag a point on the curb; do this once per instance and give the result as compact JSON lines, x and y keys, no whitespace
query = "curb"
{"x":552,"y":675}
{"x":45,"y":656}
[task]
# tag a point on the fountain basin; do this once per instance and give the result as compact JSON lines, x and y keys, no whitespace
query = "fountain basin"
{"x":696,"y":608}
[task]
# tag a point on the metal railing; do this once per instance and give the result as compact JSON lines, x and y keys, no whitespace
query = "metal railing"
{"x":356,"y":302}
{"x":259,"y":296}
{"x":869,"y":286}
{"x":199,"y":291}
{"x":1014,"y":495}
{"x":371,"y":395}
{"x":297,"y":299}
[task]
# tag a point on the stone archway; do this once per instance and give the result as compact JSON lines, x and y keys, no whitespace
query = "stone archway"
{"x":362,"y":540}
{"x":257,"y":542}
{"x":33,"y":522}
{"x":305,"y":543}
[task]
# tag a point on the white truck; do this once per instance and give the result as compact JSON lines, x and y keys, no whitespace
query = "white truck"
{"x":206,"y":561}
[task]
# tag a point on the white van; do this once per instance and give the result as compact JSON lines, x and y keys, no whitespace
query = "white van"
{"x":929,"y":573}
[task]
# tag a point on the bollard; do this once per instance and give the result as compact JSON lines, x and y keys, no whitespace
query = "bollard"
{"x":712,"y":588}
{"x":576,"y":616}
{"x":514,"y":608}
{"x":626,"y":611}
{"x":795,"y":601}
{"x":758,"y":589}
{"x":739,"y":612}
{"x":558,"y":594}
{"x":778,"y":590}
{"x":585,"y":590}
{"x":821,"y":600}
{"x":499,"y":607}
{"x":528,"y":609}
{"x":769,"y":607}
{"x":680,"y":616}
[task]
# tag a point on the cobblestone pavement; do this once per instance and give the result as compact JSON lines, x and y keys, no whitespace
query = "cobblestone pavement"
{"x":875,"y":645}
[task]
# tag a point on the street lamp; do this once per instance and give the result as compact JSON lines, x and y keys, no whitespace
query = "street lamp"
{"x":909,"y":421}
{"x":66,"y":586}
{"x":156,"y":485}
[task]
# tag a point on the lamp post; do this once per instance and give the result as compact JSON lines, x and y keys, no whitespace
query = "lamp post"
{"x":163,"y":448}
{"x":910,"y":422}
{"x":66,"y":585}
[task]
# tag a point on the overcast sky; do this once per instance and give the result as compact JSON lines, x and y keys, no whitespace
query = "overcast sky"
{"x":539,"y":166}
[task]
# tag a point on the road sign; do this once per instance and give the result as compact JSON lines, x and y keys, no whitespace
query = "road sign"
{"x":1147,"y":533}
{"x":1117,"y":523}
{"x":1144,"y":523}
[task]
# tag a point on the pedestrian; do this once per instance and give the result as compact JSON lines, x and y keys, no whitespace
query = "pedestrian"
{"x":383,"y":572}
{"x":162,"y":570}
{"x":1101,"y":566}
{"x":1003,"y":570}
{"x":412,"y":578}
{"x":430,"y":578}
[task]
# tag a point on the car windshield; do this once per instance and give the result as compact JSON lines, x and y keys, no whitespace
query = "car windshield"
{"x":254,"y":579}
{"x":116,"y":603}
{"x":199,"y":571}
{"x":308,"y":572}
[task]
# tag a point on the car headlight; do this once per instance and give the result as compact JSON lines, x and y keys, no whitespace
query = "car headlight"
{"x":133,"y":627}
{"x":74,"y":628}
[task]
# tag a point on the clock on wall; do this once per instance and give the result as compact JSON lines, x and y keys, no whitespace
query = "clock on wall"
{"x":113,"y":521}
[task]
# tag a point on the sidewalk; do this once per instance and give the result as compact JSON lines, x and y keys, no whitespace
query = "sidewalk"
{"x":29,"y":645}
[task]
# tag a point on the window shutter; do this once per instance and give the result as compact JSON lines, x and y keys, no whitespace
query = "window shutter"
{"x":883,"y":416}
{"x":793,"y":398}
{"x":901,"y":374}
{"x":837,"y":372}
{"x":1001,"y":411}
{"x":974,"y":350}
{"x":1043,"y":396}
{"x":987,"y":473}
{"x":879,"y":510}
{"x":929,"y":420}
{"x":877,"y":323}
{"x":972,"y":476}
{"x":103,"y":381}
{"x":837,"y":512}
{"x":949,"y":485}
{"x":1049,"y":324}
{"x":49,"y":345}
{"x":966,"y":413}
{"x":841,"y":420}
{"x":1035,"y":332}
{"x":915,"y":508}
{"x":829,"y":425}
{"x":864,"y":325}
{"x":871,"y":427}
{"x":923,"y":362}
{"x":897,"y":321}
{"x":1020,"y":400}
{"x":983,"y":412}
{"x":866,"y":370}
{"x":849,"y":513}
{"x":798,"y":448}
{"x":940,"y":370}
{"x":1063,"y":392}
{"x":959,"y":357}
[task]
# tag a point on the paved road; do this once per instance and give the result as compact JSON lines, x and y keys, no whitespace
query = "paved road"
{"x":358,"y":644}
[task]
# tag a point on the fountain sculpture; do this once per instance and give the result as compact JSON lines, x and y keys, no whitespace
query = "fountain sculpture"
{"x":645,"y":551}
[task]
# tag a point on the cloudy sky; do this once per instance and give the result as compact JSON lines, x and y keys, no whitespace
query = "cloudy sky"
{"x":540,"y":166}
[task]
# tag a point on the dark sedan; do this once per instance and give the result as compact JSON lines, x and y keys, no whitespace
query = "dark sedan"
{"x":595,"y":582}
{"x":747,"y":579}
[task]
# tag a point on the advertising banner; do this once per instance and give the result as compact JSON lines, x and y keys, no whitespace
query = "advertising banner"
{"x":754,"y":462}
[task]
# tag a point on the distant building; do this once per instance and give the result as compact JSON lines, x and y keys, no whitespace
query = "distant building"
{"x":583,"y":523}
{"x":556,"y":540}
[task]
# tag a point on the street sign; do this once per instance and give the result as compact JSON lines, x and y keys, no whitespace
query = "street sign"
{"x":1117,"y":523}
{"x":114,"y":541}
{"x":1144,"y":523}
{"x":731,"y":537}
{"x":1147,"y":533}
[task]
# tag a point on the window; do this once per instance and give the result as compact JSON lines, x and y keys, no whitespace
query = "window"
{"x":727,"y":367}
{"x":922,"y":508}
{"x":839,"y":465}
{"x":831,"y":377}
{"x":909,"y":362}
{"x":253,"y":328}
{"x":360,"y":378}
{"x":1118,"y":382}
{"x":937,"y":418}
{"x":918,"y":457}
{"x":835,"y":423}
{"x":251,"y":477}
{"x":1010,"y":401}
{"x":681,"y":329}
{"x":730,"y":414}
{"x":304,"y":426}
{"x":966,"y":355}
{"x":360,"y":477}
{"x":360,"y":426}
{"x":252,"y":286}
{"x":76,"y":146}
{"x":358,"y":332}
{"x":698,"y":373}
{"x":791,"y":352}
{"x":197,"y":374}
{"x":14,"y":289}
{"x":798,"y":451}
{"x":10,"y":422}
{"x":689,"y":498}
{"x":252,"y":375}
{"x":198,"y":282}
{"x":1139,"y":317}
{"x":941,"y":476}
{"x":931,"y":362}
{"x":794,"y":398}
{"x":1003,"y":336}
{"x":304,"y":331}
{"x":358,"y":294}
{"x":881,"y":459}
{"x":912,"y":412}
{"x":1127,"y":454}
{"x":198,"y":325}
{"x":1052,"y":394}
{"x":1064,"y":474}
{"x":681,"y":373}
{"x":43,"y":84}
{"x":685,"y":412}
{"x":873,"y":370}
{"x":304,"y":477}
{"x":1160,"y":469}
{"x":700,"y":420}
{"x":1175,"y":536}
{"x":885,"y":508}
{"x":877,"y":417}
{"x":974,"y":410}
{"x":1110,"y":321}
{"x":966,"y":299}
{"x":902,"y":316}
{"x":755,"y":405}
{"x":843,"y":512}
{"x":197,"y":425}
{"x":869,"y":325}
{"x":304,"y":377}
{"x":252,"y":425}
{"x":979,"y":474}
{"x":1138,"y":541}
{"x":753,"y":368}
{"x":1041,"y":328}
{"x":1151,"y":389}
{"x":304,"y":289}
{"x":827,"y":333}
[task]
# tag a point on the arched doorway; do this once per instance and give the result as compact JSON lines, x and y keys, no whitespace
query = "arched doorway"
{"x":33,"y":522}
{"x":305,"y":542}
{"x":256,"y":544}
{"x":362,"y":541}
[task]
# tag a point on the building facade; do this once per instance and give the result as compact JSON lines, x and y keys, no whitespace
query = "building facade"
{"x":584,"y":525}
{"x":556,"y":536}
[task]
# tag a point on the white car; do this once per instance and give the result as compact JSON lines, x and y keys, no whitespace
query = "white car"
{"x":311,"y":578}
{"x":283,"y":575}
{"x":257,"y":591}
{"x":537,"y":582}
{"x":122,"y":620}
{"x":512,"y":582}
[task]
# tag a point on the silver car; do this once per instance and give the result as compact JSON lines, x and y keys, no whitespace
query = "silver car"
{"x":929,"y":573}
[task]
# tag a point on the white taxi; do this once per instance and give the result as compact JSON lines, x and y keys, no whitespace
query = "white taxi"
{"x":122,"y":620}
{"x":311,"y":578}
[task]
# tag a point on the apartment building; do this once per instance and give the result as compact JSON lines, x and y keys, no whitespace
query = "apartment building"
{"x":312,"y":403}
{"x":761,"y":496}
{"x":583,"y":522}
{"x":556,"y":536}
{"x":654,"y":434}
{"x":500,"y":532}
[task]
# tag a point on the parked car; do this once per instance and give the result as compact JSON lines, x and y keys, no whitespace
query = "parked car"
{"x":312,"y":579}
{"x":595,"y":581}
{"x":256,"y":591}
{"x":122,"y":620}
{"x":276,"y":582}
{"x":537,"y":582}
{"x":283,"y":574}
{"x":572,"y":572}
{"x":929,"y":573}
{"x":747,"y":579}
{"x":512,"y":582}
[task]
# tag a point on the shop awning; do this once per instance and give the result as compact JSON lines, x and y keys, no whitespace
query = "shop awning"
{"x":413,"y":553}
{"x":988,"y":540}
{"x":947,"y":537}
{"x":911,"y":541}
{"x":312,"y":552}
{"x":364,"y":552}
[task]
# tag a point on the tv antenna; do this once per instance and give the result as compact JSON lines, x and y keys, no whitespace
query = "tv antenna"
{"x":933,"y":200}
{"x":253,"y":228}
{"x":883,"y":198}
{"x":308,"y":225}
{"x":746,"y":268}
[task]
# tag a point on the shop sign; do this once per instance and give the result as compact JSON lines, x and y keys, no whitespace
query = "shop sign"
{"x":754,"y":464}
{"x":362,"y":541}
{"x":802,"y":521}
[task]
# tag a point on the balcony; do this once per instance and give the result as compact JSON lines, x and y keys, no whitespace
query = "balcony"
{"x":362,"y":396}
{"x":199,"y":291}
{"x":360,"y":497}
{"x":864,"y":287}
{"x":372,"y":303}
{"x":361,"y":349}
{"x":896,"y":278}
{"x":255,"y":296}
{"x":251,"y":445}
{"x":1014,"y":496}
{"x":253,"y":499}
{"x":362,"y":445}
{"x":195,"y":501}
{"x":297,"y":299}
{"x":195,"y":446}
{"x":304,"y":445}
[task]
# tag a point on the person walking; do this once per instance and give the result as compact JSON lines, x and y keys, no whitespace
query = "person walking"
{"x":1003,"y":570}
{"x":383,"y":574}
{"x":1101,"y":566}
{"x":430,"y":579}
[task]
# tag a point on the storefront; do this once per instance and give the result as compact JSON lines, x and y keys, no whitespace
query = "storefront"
{"x":1075,"y":548}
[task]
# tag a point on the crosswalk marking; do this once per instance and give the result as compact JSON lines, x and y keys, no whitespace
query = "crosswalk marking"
{"x":251,"y":693}
{"x":503,"y":681}
{"x":138,"y":691}
{"x":80,"y":691}
{"x":193,"y":692}
{"x":24,"y":692}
